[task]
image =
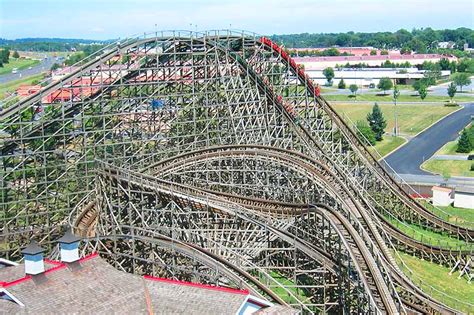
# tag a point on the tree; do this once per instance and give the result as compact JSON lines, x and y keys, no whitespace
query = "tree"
{"x":461,"y":79}
{"x":55,"y":66}
{"x":396,"y":93}
{"x":423,"y":91}
{"x":353,"y":88}
{"x":365,"y":134}
{"x":329,"y":74}
{"x":4,"y":55}
{"x":385,"y":84}
{"x":405,"y":51}
{"x":444,"y":64}
{"x":377,"y":122}
{"x":342,"y":84}
{"x":384,"y":52}
{"x":16,"y":54}
{"x":466,"y":65}
{"x":373,"y":52}
{"x":452,"y":90}
{"x":464,"y":145}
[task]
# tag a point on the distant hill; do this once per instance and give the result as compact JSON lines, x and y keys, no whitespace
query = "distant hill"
{"x":4,"y":41}
{"x":50,"y":44}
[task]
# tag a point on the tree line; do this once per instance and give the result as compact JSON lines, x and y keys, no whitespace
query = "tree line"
{"x":48,"y":44}
{"x":419,"y":40}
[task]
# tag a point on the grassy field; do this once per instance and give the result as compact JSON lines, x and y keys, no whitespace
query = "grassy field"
{"x":436,"y":281}
{"x":412,"y":118}
{"x":401,"y":98}
{"x":449,"y":167}
{"x":429,"y":237}
{"x":17,"y":63}
{"x":282,"y":293}
{"x":459,"y":216}
{"x":450,"y":149}
{"x":13,"y":85}
{"x":388,"y":144}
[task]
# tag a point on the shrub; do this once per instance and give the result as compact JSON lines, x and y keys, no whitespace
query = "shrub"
{"x":464,"y":143}
{"x":365,"y":133}
{"x":342,"y":84}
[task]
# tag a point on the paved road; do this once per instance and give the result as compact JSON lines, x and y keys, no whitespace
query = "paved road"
{"x":44,"y":65}
{"x":407,"y":159}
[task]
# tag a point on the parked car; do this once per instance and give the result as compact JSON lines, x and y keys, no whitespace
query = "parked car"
{"x":15,"y":70}
{"x":470,"y":157}
{"x":372,"y":86}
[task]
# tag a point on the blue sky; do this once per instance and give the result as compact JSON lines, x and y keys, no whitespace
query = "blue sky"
{"x":105,"y":19}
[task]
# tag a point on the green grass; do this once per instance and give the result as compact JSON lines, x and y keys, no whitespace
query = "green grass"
{"x":412,"y":118}
{"x":19,"y":63}
{"x":401,"y":98}
{"x":447,"y":288}
{"x":13,"y":85}
{"x":288,"y":284}
{"x":388,"y":144}
{"x":449,"y":167}
{"x":429,"y":237}
{"x":450,"y":149}
{"x":458,"y":216}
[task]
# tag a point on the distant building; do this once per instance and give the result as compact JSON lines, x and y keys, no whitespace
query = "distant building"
{"x":467,"y":49}
{"x":27,"y":90}
{"x":320,"y":63}
{"x":442,"y":196}
{"x":355,"y":51}
{"x":366,"y":76}
{"x":447,"y":45}
{"x":464,"y":198}
{"x":60,"y":73}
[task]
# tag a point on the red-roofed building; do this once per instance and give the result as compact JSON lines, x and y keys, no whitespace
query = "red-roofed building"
{"x":355,"y":51}
{"x":90,"y":285}
{"x":27,"y":90}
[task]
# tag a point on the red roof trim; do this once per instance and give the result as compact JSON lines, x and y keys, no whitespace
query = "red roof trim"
{"x":58,"y":265}
{"x":85,"y":258}
{"x":9,"y":284}
{"x":197,"y":285}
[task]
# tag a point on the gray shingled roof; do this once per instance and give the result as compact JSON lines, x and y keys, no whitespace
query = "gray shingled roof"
{"x":94,"y":286}
{"x":69,"y":238}
{"x":32,"y":249}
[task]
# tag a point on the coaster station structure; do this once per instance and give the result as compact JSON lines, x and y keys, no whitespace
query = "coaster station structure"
{"x":209,"y":157}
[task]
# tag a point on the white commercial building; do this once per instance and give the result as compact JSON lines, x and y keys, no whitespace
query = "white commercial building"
{"x":366,"y":76}
{"x":320,"y":63}
{"x":442,"y":196}
{"x":464,"y":198}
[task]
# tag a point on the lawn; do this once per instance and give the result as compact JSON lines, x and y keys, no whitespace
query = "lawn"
{"x":13,"y":85}
{"x":459,"y":216}
{"x":450,"y":149}
{"x":19,"y":63}
{"x":436,"y":281}
{"x":412,"y":118}
{"x":449,"y":167}
{"x":430,"y":237}
{"x":402,"y":98}
{"x":387,"y":145}
{"x":289,"y":285}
